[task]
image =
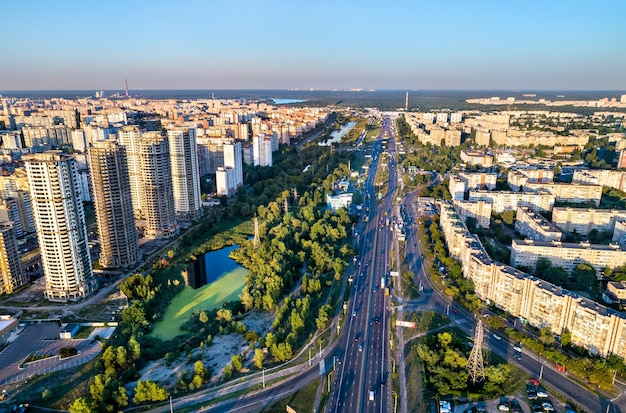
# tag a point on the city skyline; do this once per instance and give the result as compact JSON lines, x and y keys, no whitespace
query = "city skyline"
{"x":323,"y":45}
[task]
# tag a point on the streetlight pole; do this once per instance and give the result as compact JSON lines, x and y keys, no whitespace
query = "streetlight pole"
{"x":541,"y":372}
{"x":263,"y":373}
{"x":309,"y":356}
{"x":171,"y":406}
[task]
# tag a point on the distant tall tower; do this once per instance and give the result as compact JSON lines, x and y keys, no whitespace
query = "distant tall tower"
{"x":113,"y":203}
{"x":11,"y":273}
{"x":61,"y":229}
{"x":129,"y":137}
{"x":475,"y":361}
{"x":126,"y":81}
{"x":156,"y":193}
{"x":185,"y":173}
{"x":406,"y":102}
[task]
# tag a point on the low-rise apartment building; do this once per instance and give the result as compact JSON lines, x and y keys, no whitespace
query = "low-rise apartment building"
{"x":477,"y":158}
{"x":583,"y":220}
{"x":525,"y":253}
{"x":594,"y":327}
{"x":479,"y":210}
{"x":505,"y":200}
{"x":566,"y":192}
{"x":604,"y":177}
{"x":517,"y":178}
{"x":534,"y":226}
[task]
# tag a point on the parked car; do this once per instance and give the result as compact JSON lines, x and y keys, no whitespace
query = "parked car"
{"x":533,"y":381}
{"x":541,"y":392}
{"x":504,"y":406}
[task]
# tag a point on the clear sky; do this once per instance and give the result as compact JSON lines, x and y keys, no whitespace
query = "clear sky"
{"x":242,"y":44}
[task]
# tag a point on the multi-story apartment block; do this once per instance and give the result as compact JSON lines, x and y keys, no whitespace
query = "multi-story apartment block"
{"x":185,"y":173}
{"x":482,"y":136}
{"x":567,"y":255}
{"x":504,"y":200}
{"x":477,"y":158}
{"x":262,"y":150}
{"x":456,"y":186}
{"x":233,"y":158}
{"x":479,"y":180}
{"x":61,"y":228}
{"x":534,"y":226}
{"x":583,"y":220}
{"x":619,"y":233}
{"x":598,"y":329}
{"x":604,"y":177}
{"x":113,"y":205}
{"x":564,"y":192}
{"x":517,"y":178}
{"x":225,"y":181}
{"x":12,"y":275}
{"x":155,"y":187}
{"x":479,"y":210}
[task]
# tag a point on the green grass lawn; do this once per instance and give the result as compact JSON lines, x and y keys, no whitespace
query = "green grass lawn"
{"x":226,"y":288}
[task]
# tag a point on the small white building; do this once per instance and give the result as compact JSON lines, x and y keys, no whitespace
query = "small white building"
{"x":338,"y":201}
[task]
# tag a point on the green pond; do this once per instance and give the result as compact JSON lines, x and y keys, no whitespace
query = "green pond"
{"x":226,"y":283}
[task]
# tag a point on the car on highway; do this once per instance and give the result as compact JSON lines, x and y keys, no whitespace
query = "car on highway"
{"x":497,"y":337}
{"x":354,"y":314}
{"x":517,"y":346}
{"x":360,"y":347}
{"x":371,"y":395}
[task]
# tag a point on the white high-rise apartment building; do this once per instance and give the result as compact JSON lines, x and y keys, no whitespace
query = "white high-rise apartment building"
{"x":155,"y":186}
{"x":114,"y":207}
{"x":233,"y":158}
{"x":262,"y":150}
{"x":61,"y":229}
{"x":225,"y":181}
{"x":129,"y":137}
{"x":185,"y":173}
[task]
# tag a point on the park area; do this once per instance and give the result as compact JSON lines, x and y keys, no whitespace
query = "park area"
{"x":211,"y":296}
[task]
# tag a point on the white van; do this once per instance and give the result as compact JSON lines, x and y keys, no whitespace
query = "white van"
{"x":371,"y":395}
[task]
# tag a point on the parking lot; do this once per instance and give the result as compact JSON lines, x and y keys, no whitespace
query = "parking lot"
{"x":39,"y":340}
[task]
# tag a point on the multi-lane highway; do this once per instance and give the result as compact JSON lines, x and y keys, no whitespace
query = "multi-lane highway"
{"x":360,"y":383}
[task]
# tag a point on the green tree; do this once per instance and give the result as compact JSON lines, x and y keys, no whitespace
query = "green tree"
{"x":203,"y":317}
{"x":82,"y":405}
{"x":508,"y":217}
{"x":258,"y":358}
{"x":237,"y":362}
{"x":149,"y":391}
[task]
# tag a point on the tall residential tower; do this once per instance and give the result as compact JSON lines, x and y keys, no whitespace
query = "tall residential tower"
{"x":155,"y":187}
{"x":185,"y":173}
{"x":60,"y":222}
{"x":113,"y":203}
{"x":11,"y":273}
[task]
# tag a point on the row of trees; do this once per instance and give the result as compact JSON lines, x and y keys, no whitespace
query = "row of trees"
{"x":455,"y":285}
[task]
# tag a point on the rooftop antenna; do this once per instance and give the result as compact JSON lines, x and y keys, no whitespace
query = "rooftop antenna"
{"x":126,"y":80}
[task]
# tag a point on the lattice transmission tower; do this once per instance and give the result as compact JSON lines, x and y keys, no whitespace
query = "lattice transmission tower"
{"x":257,"y":240}
{"x":475,"y":362}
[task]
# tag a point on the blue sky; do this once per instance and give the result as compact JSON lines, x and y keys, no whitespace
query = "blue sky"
{"x":214,"y":44}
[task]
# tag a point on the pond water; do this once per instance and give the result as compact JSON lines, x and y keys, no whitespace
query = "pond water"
{"x":338,"y":134}
{"x":224,"y":282}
